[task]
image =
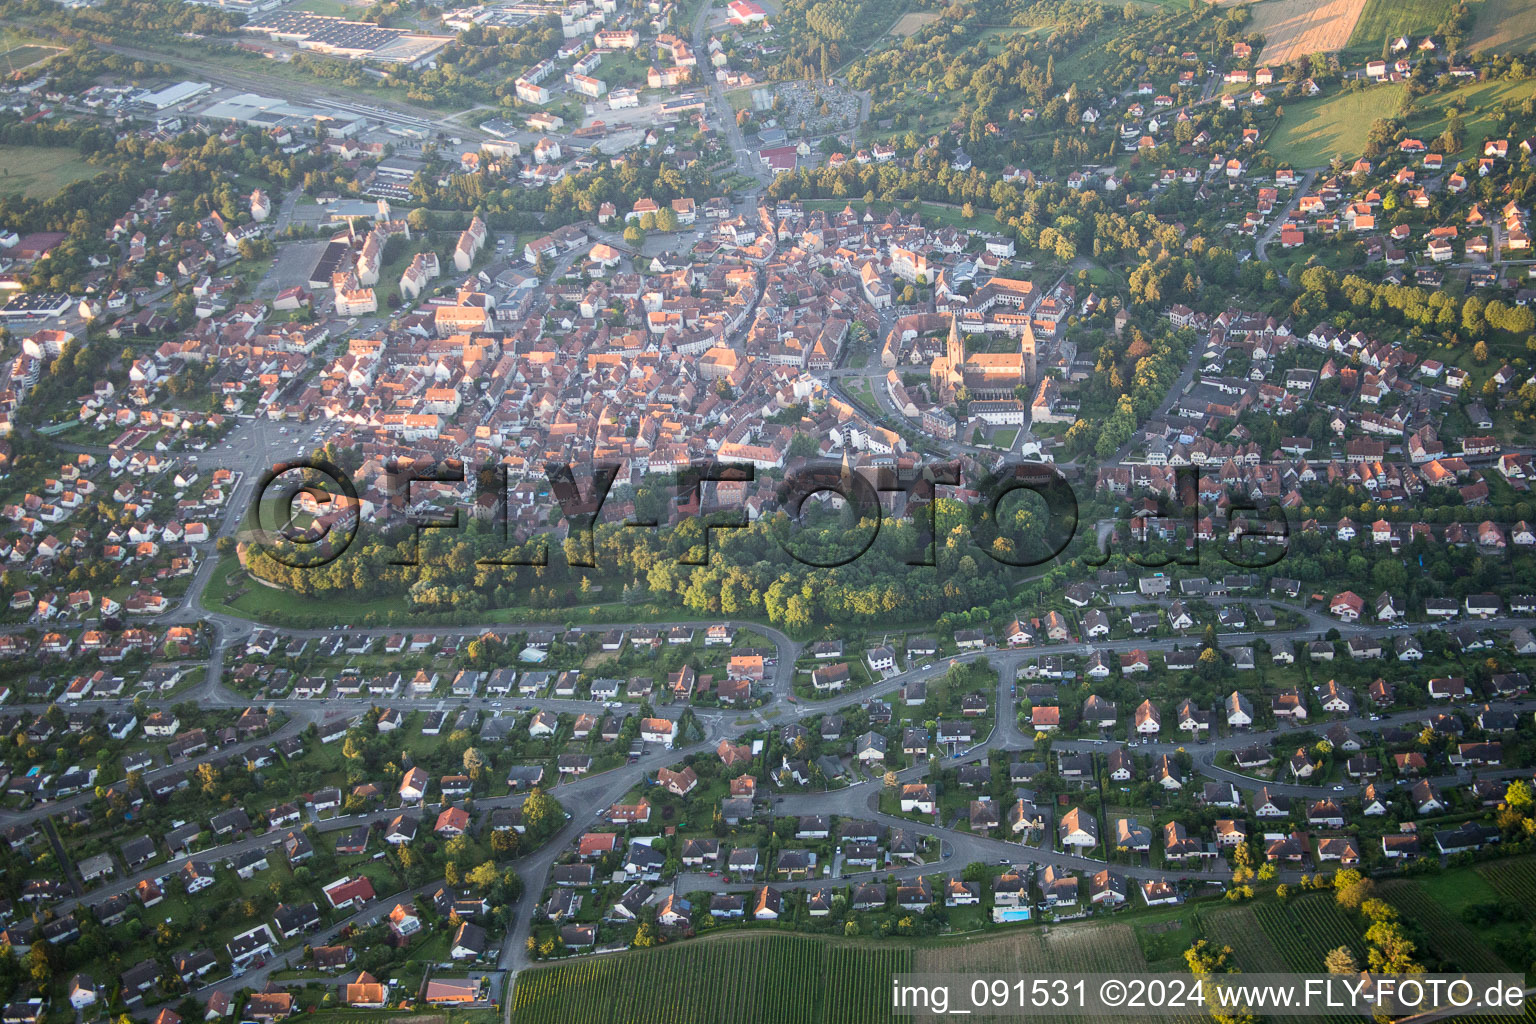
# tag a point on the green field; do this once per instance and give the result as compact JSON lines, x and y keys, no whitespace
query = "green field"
{"x":1306,"y":928}
{"x":786,"y":978}
{"x":1239,"y":928}
{"x":1388,"y":19}
{"x":11,"y":37}
{"x":621,"y":68}
{"x":40,"y":171}
{"x":1504,"y":26}
{"x":1513,"y":880}
{"x":1313,"y":132}
{"x":1448,"y":937}
{"x":771,"y":978}
{"x":1479,"y":104}
{"x":24,"y":56}
{"x":336,"y":8}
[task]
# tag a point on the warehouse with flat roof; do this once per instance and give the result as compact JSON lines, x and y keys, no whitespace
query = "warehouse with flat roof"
{"x":173,"y":95}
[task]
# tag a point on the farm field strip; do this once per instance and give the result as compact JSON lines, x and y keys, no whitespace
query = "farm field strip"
{"x":1109,"y":949}
{"x":1504,"y":26}
{"x":777,"y":979}
{"x":1306,"y":930}
{"x":1514,"y":879}
{"x":1321,"y":918}
{"x":858,"y":983}
{"x":1305,"y":934}
{"x":1239,"y":928}
{"x":912,"y":22}
{"x":1298,"y":28}
{"x":1448,"y":938}
{"x":1388,"y":19}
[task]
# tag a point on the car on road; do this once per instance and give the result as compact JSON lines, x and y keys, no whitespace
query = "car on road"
{"x":1338,"y":788}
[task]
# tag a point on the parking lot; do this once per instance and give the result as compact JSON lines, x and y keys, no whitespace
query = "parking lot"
{"x":291,"y":267}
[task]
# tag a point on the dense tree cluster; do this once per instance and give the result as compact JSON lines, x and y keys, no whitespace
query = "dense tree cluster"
{"x":574,"y":197}
{"x":748,"y":571}
{"x":112,"y":20}
{"x":1469,"y":318}
{"x":954,"y":59}
{"x":1131,"y":374}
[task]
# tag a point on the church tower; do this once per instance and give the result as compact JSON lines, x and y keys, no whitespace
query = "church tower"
{"x":947,"y":372}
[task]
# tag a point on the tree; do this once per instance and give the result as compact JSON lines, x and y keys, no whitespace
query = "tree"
{"x":1341,"y":961}
{"x":38,"y":967}
{"x":474,"y":762}
{"x":1351,"y":893}
{"x":634,"y":237}
{"x":542,"y":813}
{"x":1391,"y":950}
{"x":645,"y":936}
{"x":1206,"y":960}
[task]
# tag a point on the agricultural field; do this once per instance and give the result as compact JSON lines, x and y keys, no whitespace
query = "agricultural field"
{"x":1514,"y":880}
{"x":1239,"y":928}
{"x":1068,"y":949}
{"x":1448,"y":938}
{"x":39,"y":172}
{"x":1504,"y":26}
{"x":1306,"y":928}
{"x":912,"y":22}
{"x":774,"y":978}
{"x":1299,"y":28}
{"x":24,"y":56}
{"x":1107,"y":948}
{"x":859,"y":979}
{"x":1388,"y":19}
{"x":1313,"y":132}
